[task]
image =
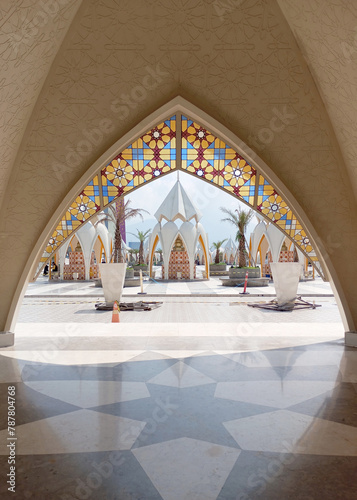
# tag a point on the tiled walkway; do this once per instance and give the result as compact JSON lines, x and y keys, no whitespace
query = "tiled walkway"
{"x":44,"y":287}
{"x":203,"y":398}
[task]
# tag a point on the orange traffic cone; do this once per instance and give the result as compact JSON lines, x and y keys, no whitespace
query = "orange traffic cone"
{"x":115,"y":315}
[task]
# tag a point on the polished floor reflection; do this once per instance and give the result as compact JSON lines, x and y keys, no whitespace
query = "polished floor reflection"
{"x":279,"y":423}
{"x":263,"y":406}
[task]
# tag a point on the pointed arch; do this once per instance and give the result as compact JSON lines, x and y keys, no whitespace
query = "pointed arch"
{"x":181,"y":136}
{"x":201,"y":154}
{"x":205,"y":253}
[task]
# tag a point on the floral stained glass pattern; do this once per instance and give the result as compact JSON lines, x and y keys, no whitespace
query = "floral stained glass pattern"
{"x":210,"y":158}
{"x":150,"y":156}
{"x":271,"y":204}
{"x":203,"y":155}
{"x":86,"y":204}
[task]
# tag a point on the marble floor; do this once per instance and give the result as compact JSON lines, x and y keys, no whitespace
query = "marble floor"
{"x":232,"y":403}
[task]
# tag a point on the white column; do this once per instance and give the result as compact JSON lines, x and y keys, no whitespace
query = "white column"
{"x":61,"y":259}
{"x":166,"y":264}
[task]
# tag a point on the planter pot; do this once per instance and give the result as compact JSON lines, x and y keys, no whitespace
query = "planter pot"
{"x":98,"y":283}
{"x":256,"y":282}
{"x":286,"y":279}
{"x":131,"y":282}
{"x":129,"y":273}
{"x":137,"y":269}
{"x":113,"y":276}
{"x":218,"y":269}
{"x":240,"y":272}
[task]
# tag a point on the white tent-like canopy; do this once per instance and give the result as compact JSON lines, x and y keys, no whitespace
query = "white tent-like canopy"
{"x":176,"y":207}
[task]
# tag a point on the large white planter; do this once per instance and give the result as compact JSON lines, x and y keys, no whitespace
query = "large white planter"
{"x":286,"y":279}
{"x":113,"y":277}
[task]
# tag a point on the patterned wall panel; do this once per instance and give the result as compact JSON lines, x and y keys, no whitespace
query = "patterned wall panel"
{"x":210,"y":158}
{"x":271,"y":204}
{"x":151,"y":155}
{"x":86,"y":204}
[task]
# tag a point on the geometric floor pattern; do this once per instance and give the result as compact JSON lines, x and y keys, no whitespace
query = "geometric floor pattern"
{"x":199,"y":399}
{"x":262,"y":424}
{"x":209,"y":467}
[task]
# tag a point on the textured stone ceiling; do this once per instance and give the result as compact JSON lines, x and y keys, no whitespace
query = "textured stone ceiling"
{"x":326,"y":32}
{"x":31,"y":33}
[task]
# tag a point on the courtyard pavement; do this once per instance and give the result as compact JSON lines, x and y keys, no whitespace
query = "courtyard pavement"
{"x":193,"y":310}
{"x":212,"y":287}
{"x":225,"y":372}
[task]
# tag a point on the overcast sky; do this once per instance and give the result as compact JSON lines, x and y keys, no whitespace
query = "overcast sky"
{"x":207,"y":198}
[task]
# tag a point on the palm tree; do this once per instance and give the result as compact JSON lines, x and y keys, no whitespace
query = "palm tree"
{"x":217,"y":245}
{"x":118,"y":215}
{"x":141,"y":237}
{"x":240,"y":219}
{"x":133,"y":253}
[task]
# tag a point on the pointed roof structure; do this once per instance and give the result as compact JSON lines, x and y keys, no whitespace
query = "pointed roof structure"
{"x":229,"y":245}
{"x":177,"y":205}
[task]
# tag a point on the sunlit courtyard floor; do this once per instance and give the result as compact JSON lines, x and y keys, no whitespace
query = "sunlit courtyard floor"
{"x":202,"y":398}
{"x":155,"y":287}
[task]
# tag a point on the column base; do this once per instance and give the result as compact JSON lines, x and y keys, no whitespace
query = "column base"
{"x":6,"y":339}
{"x":351,"y":339}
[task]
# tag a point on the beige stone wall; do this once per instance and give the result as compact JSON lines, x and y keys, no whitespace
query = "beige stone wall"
{"x":120,"y":61}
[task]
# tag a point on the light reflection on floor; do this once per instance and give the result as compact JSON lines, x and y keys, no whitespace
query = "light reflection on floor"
{"x":256,"y":407}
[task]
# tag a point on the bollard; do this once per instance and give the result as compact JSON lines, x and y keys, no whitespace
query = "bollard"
{"x":141,"y":284}
{"x":245,"y":285}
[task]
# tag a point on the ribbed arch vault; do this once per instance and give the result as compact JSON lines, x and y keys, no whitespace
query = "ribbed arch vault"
{"x":180,"y":141}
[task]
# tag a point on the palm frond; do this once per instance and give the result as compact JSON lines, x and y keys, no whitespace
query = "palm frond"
{"x":218,"y":244}
{"x":141,"y":235}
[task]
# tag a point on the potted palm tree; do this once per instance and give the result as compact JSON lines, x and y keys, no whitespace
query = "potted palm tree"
{"x":142,"y":236}
{"x":218,"y":268}
{"x":113,"y":273}
{"x":240,"y":219}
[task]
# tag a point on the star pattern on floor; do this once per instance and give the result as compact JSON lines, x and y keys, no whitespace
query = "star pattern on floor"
{"x":192,"y":412}
{"x":224,"y":413}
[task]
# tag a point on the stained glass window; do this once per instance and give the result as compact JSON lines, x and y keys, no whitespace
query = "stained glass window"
{"x":202,"y":154}
{"x":150,"y":156}
{"x":86,"y":204}
{"x":208,"y":157}
{"x":271,"y":204}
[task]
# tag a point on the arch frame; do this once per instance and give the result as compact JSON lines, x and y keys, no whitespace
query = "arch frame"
{"x":205,"y":253}
{"x":151,"y":256}
{"x":182,"y":106}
